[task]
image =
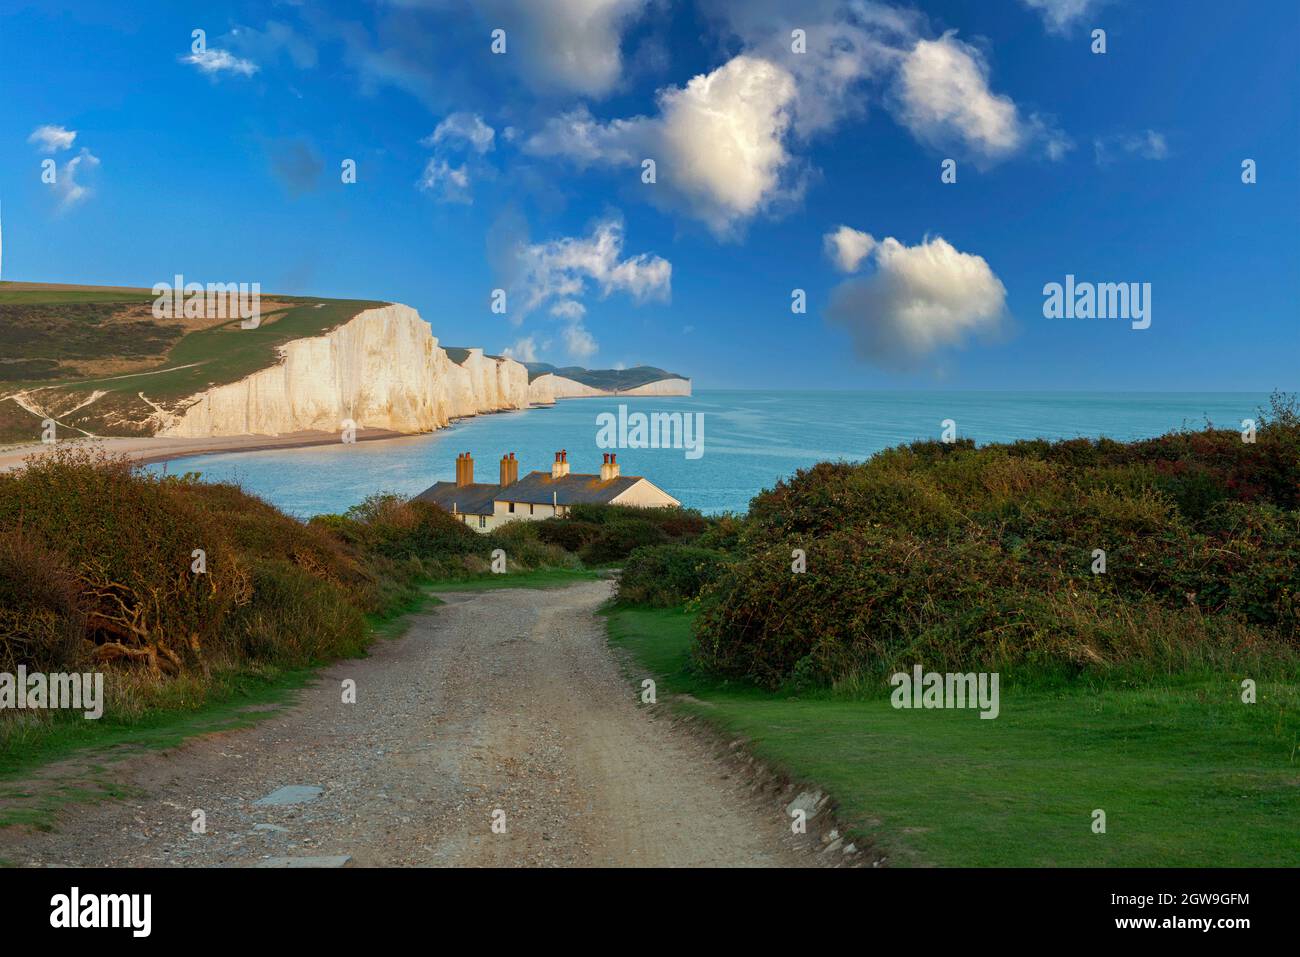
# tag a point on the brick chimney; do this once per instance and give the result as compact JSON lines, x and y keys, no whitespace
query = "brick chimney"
{"x":464,"y":469}
{"x":509,"y":469}
{"x":560,"y":467}
{"x":613,"y":465}
{"x":609,"y":467}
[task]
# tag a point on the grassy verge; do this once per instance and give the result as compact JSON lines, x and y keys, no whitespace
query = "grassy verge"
{"x":1186,"y":774}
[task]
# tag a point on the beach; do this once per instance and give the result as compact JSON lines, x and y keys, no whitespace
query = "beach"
{"x":151,"y":449}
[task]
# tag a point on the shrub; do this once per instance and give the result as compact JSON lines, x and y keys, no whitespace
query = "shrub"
{"x":619,"y":537}
{"x":676,"y":523}
{"x":961,"y":557}
{"x":571,"y":534}
{"x":295,"y":619}
{"x":42,"y":623}
{"x":127,"y":539}
{"x":666,"y":575}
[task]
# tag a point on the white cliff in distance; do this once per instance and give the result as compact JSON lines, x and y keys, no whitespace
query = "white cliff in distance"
{"x":383,"y":369}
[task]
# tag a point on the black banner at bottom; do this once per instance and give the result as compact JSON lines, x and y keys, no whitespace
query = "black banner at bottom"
{"x":225,"y":906}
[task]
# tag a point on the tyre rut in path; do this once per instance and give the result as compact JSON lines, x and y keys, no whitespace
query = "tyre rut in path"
{"x":503,"y":700}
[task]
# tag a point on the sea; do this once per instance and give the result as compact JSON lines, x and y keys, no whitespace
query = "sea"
{"x":750,"y":440}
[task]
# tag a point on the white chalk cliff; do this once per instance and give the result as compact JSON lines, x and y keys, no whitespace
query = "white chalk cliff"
{"x":548,"y":387}
{"x":383,"y":369}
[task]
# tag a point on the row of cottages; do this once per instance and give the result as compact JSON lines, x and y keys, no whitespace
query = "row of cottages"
{"x":539,"y":495}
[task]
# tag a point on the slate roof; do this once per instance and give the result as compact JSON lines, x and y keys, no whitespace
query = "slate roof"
{"x":537,"y":488}
{"x":572,"y":489}
{"x":475,"y":499}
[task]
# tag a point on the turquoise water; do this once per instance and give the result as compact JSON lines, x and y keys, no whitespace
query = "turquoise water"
{"x":751,"y":439}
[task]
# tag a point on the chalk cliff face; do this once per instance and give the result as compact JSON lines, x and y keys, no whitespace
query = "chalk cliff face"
{"x":662,"y":387}
{"x":548,"y":387}
{"x":383,"y":369}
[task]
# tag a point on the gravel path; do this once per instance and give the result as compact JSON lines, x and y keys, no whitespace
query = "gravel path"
{"x":506,"y":700}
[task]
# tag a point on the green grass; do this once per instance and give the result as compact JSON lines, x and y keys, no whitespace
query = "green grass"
{"x":56,"y":296}
{"x":226,"y":353}
{"x":1186,"y":773}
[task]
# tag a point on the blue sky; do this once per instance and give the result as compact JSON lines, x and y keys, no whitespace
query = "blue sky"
{"x":522,"y":171}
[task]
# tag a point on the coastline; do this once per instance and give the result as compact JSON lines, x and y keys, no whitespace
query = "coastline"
{"x":148,"y":450}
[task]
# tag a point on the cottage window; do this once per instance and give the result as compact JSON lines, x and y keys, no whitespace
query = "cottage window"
{"x":482,"y":521}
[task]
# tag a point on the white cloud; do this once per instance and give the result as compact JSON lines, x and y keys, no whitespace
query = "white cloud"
{"x":69,"y":190}
{"x":579,"y":342}
{"x":717,"y":142}
{"x":847,"y":43}
{"x":847,"y":247}
{"x":1148,"y":145}
{"x":51,"y":139}
{"x":459,"y":132}
{"x":727,"y":145}
{"x":1059,"y":15}
{"x":560,"y":271}
{"x":568,"y":46}
{"x":448,"y":183}
{"x":213,"y":61}
{"x":524,"y":350}
{"x":944,"y":97}
{"x":467,"y":128}
{"x":568,"y":309}
{"x":919,"y":299}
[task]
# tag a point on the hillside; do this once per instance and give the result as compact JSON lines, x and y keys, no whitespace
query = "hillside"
{"x":96,"y":359}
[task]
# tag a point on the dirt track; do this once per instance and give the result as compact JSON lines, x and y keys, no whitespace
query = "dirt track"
{"x":504,"y":700}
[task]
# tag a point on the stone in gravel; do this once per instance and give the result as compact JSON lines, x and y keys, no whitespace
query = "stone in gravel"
{"x":270,"y":827}
{"x":809,"y":802}
{"x":336,"y":861}
{"x":290,"y":794}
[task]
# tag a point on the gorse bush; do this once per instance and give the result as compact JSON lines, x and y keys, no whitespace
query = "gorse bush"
{"x":96,"y":566}
{"x":127,"y":541}
{"x":41,"y":613}
{"x":662,"y":576}
{"x":571,"y":534}
{"x":958,"y":558}
{"x":619,"y":538}
{"x":607,"y":534}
